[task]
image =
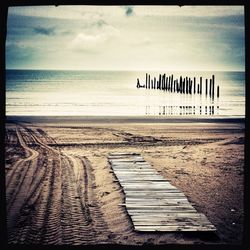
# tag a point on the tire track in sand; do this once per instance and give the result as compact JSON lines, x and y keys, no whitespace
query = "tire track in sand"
{"x":38,"y":216}
{"x":55,"y":202}
{"x":82,"y":220}
{"x":16,"y":182}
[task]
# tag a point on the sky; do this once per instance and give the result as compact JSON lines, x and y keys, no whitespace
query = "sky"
{"x":126,"y":38}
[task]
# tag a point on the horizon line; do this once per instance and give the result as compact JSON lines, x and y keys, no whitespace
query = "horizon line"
{"x":133,"y":70}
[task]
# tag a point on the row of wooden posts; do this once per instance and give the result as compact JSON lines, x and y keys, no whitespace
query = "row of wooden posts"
{"x":182,"y":85}
{"x":175,"y":110}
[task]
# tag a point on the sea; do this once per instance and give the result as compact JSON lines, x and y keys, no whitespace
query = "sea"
{"x":115,"y":93}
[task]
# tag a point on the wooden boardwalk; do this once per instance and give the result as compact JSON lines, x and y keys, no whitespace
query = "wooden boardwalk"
{"x":151,"y":201}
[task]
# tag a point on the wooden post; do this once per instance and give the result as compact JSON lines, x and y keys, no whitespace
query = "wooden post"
{"x":190,"y":87}
{"x":178,"y":87}
{"x":149,"y":81}
{"x":154,"y":82}
{"x":146,"y":80}
{"x":138,"y":83}
{"x":213,"y":86}
{"x":163,"y":81}
{"x":160,"y":85}
{"x":183,"y":85}
{"x":200,"y":85}
{"x":198,"y":89}
{"x":206,"y":86}
{"x":194,"y":85}
{"x":218,"y":91}
{"x":171,"y":87}
{"x":168,"y":83}
{"x":186,"y":85}
{"x":210,"y":87}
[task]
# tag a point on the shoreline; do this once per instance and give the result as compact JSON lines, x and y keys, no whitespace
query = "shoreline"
{"x":122,"y":119}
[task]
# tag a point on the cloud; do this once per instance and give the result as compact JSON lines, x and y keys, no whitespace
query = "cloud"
{"x":93,"y":42}
{"x":129,"y":11}
{"x":189,"y":10}
{"x":87,"y":43}
{"x":44,"y":31}
{"x":94,"y":34}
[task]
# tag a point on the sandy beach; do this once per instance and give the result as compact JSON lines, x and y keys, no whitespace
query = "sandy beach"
{"x":60,"y":188}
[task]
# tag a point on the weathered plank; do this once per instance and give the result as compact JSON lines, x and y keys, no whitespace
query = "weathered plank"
{"x":151,"y":201}
{"x":174,"y":228}
{"x":169,"y":216}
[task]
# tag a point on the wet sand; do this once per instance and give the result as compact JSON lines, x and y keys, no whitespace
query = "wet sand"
{"x":60,"y":188}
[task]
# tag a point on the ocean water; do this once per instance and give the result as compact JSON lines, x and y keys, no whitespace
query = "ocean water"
{"x":114,"y":93}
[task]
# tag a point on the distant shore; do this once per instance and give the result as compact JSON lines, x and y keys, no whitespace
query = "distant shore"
{"x":124,"y":119}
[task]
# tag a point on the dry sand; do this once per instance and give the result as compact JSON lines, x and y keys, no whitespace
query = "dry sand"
{"x":60,"y":188}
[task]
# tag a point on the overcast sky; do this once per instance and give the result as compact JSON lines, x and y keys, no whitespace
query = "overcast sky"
{"x":126,"y":37}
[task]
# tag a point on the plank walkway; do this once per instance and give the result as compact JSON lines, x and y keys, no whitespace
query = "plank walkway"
{"x":151,"y":201}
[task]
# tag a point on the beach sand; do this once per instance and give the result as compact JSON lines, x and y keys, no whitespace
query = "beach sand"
{"x":60,"y":188}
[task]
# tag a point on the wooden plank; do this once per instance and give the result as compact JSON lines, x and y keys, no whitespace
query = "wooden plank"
{"x":167,"y":201}
{"x":184,"y":223}
{"x":131,"y":166}
{"x":122,"y":154}
{"x":139,"y":188}
{"x":135,"y":171}
{"x":163,"y":210}
{"x":156,"y":201}
{"x":174,"y":228}
{"x":152,"y":190}
{"x":149,"y":189}
{"x":155,"y":194}
{"x":170,"y":221}
{"x":136,"y":174}
{"x":145,"y":178}
{"x":164,"y":185}
{"x":151,"y":211}
{"x":159,"y":207}
{"x":156,"y":204}
{"x":152,"y":184}
{"x":167,"y":216}
{"x":151,"y":201}
{"x":170,"y":217}
{"x":127,"y":159}
{"x":139,"y":179}
{"x":170,"y":197}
